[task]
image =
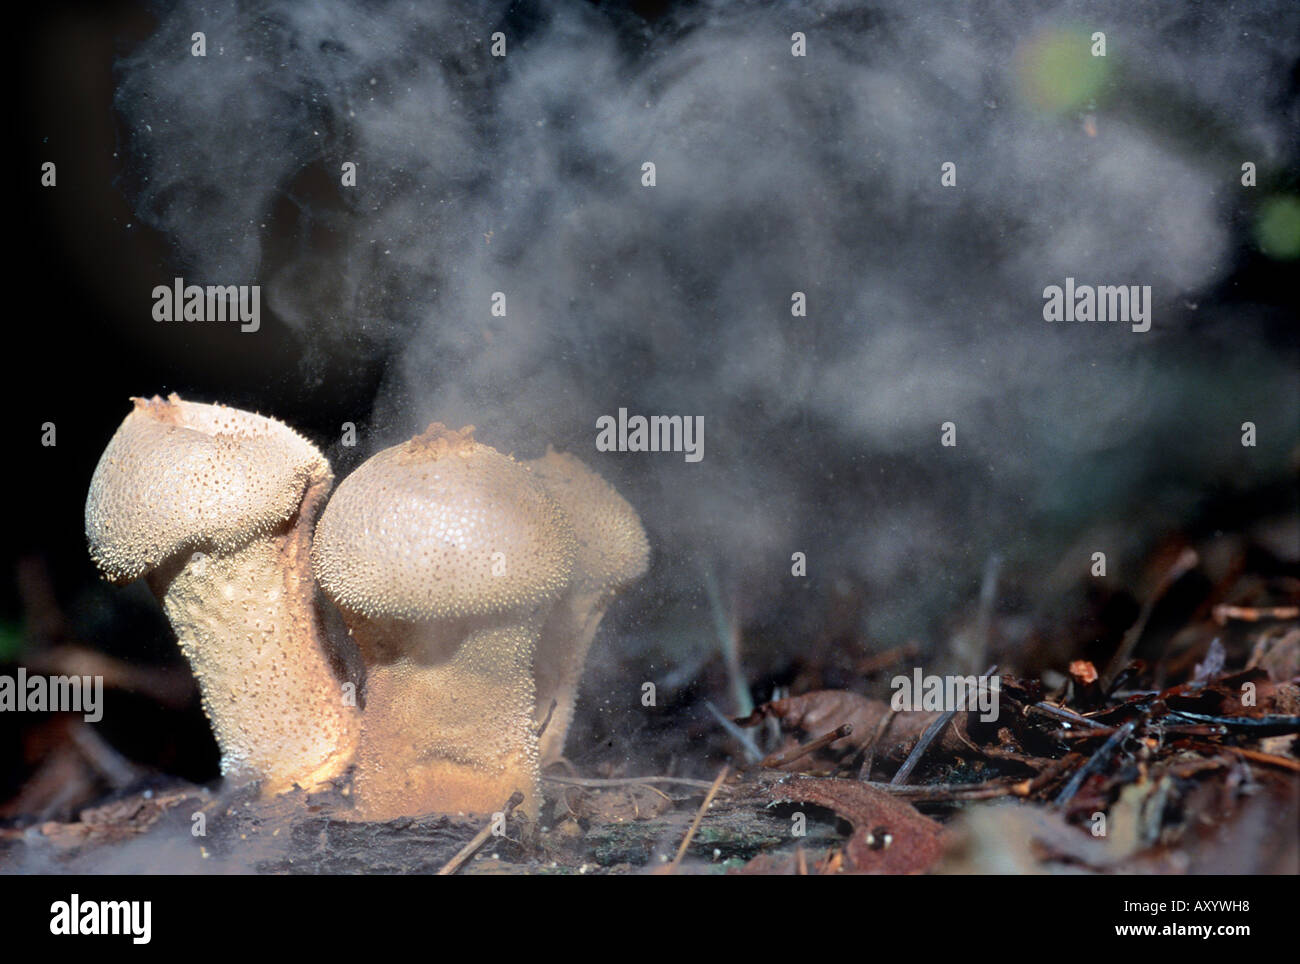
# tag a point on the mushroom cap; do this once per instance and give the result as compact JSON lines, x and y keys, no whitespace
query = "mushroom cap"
{"x":441,"y":527}
{"x":180,"y":476}
{"x":612,"y":546}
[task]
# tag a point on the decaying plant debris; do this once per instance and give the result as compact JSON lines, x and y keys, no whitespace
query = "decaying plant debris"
{"x":1196,"y":773}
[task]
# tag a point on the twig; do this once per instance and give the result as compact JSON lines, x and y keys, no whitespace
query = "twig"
{"x":1061,"y":713}
{"x":869,"y":751}
{"x":625,"y":781}
{"x":940,"y":792}
{"x":825,"y":740}
{"x":1095,"y":762}
{"x":653,"y":789}
{"x":931,"y":731}
{"x":1253,"y":614}
{"x":699,"y":815}
{"x":547,"y":722}
{"x":467,"y":851}
{"x":1272,"y":725}
{"x":1175,"y":729}
{"x":988,"y":790}
{"x":1257,"y":756}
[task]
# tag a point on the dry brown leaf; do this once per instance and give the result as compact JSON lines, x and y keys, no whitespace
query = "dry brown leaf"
{"x":821,"y":711}
{"x":889,"y":835}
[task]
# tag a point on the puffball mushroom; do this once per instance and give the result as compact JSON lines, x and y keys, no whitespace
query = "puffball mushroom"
{"x":444,"y":557}
{"x":214,"y":507}
{"x":612,"y":553}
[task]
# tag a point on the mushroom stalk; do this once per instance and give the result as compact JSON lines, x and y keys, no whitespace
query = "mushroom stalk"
{"x":452,"y":734}
{"x":250,"y":616}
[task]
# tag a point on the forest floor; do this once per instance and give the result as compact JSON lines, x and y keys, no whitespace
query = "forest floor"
{"x":1173,"y":759}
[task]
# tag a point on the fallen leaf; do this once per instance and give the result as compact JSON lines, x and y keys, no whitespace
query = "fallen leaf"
{"x":889,"y":835}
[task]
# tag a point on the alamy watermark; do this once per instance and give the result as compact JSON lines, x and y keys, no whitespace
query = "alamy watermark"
{"x":128,"y":918}
{"x":54,"y":694}
{"x":943,"y":693}
{"x":181,"y":302}
{"x":657,"y":433}
{"x":1129,"y":304}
